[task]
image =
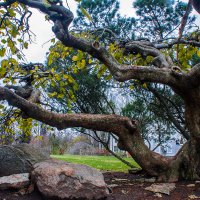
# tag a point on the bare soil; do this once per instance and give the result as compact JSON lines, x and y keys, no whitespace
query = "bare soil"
{"x":130,"y":187}
{"x":125,"y":187}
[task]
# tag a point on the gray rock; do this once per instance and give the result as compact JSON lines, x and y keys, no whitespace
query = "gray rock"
{"x":19,"y":159}
{"x":113,"y":185}
{"x":164,"y":188}
{"x":60,"y":180}
{"x":150,"y":180}
{"x":120,"y":180}
{"x":15,"y":181}
{"x":191,"y":185}
{"x":139,"y":180}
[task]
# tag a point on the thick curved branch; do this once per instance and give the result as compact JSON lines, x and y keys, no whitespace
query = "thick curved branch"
{"x":119,"y":72}
{"x":193,"y":77}
{"x":177,"y":41}
{"x":146,"y":48}
{"x":126,"y":129}
{"x":165,"y":75}
{"x":62,"y":121}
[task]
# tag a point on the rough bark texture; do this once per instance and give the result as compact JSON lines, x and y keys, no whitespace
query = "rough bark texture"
{"x":186,"y":163}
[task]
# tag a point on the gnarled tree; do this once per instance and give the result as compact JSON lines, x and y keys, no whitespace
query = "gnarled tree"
{"x":162,"y":69}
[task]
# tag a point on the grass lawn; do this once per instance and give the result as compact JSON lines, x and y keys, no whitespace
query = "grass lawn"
{"x":108,"y":163}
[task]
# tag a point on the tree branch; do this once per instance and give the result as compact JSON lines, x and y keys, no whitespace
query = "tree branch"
{"x":126,"y":129}
{"x":120,"y":72}
{"x":62,"y":121}
{"x":193,"y":77}
{"x":177,"y":41}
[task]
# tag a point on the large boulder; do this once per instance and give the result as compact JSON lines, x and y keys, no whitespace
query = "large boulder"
{"x":57,"y":179}
{"x":18,"y":159}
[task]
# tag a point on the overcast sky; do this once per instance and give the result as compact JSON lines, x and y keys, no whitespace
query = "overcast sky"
{"x":42,"y":29}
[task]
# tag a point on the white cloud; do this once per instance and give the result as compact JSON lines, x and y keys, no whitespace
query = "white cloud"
{"x":42,"y":30}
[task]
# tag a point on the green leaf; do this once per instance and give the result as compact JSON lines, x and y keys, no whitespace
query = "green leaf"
{"x":75,"y":58}
{"x":61,"y":96}
{"x":131,"y":87}
{"x":108,"y":77}
{"x":4,"y":63}
{"x":53,"y":40}
{"x":50,"y":59}
{"x":198,"y":53}
{"x":3,"y":41}
{"x":2,"y":52}
{"x":86,"y":13}
{"x":26,"y":45}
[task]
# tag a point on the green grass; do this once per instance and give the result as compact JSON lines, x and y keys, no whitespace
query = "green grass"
{"x":108,"y":163}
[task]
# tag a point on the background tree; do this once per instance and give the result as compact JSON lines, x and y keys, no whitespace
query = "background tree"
{"x":159,"y":19}
{"x":106,"y":21}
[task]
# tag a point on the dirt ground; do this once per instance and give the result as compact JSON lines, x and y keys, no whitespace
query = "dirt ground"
{"x":125,"y":187}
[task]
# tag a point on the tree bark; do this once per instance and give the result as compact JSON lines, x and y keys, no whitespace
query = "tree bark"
{"x":186,"y":164}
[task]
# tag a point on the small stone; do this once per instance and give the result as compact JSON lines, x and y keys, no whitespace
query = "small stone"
{"x":139,"y":180}
{"x":193,"y":197}
{"x":121,"y":180}
{"x":158,"y":195}
{"x":113,"y":185}
{"x":164,"y":188}
{"x":150,"y":180}
{"x":124,"y":192}
{"x":191,"y":185}
{"x":197,"y":181}
{"x":22,"y":192}
{"x":30,"y":189}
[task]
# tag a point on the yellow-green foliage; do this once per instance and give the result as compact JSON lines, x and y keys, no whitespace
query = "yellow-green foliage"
{"x":185,"y":54}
